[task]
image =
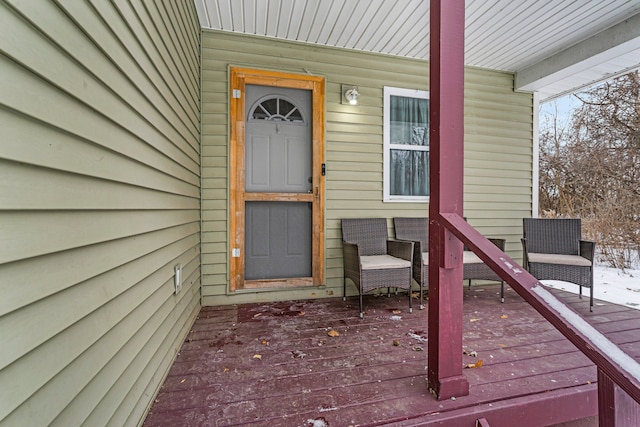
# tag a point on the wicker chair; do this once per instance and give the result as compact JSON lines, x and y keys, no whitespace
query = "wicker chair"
{"x":371,"y":260}
{"x":417,"y":230}
{"x":476,"y":269}
{"x":554,"y":250}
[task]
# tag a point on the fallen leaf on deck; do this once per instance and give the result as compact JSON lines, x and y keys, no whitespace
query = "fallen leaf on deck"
{"x":183,"y":380}
{"x":302,"y":313}
{"x":264,"y":342}
{"x":504,"y":316}
{"x":257,"y":315}
{"x":226,"y":370}
{"x":415,"y":295}
{"x":257,"y":356}
{"x":474,"y":320}
{"x":502,"y":345}
{"x":417,"y":348}
{"x":397,"y":311}
{"x":471,"y":353}
{"x":417,"y":337}
{"x":333,"y":333}
{"x":396,"y":343}
{"x":474,"y":365}
{"x":297,"y":354}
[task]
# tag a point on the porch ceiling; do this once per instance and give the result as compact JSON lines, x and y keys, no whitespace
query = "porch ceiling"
{"x":554,"y":46}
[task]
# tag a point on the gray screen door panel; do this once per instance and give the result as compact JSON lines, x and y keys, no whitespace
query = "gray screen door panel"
{"x":278,"y":243}
{"x":278,"y":161}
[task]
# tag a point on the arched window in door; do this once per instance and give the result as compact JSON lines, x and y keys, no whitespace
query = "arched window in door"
{"x":277,"y":109}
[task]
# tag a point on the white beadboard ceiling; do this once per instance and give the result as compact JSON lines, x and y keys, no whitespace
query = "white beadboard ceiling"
{"x":553,"y":46}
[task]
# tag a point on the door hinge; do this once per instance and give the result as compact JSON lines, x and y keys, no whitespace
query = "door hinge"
{"x":236,"y":93}
{"x":324,"y":169}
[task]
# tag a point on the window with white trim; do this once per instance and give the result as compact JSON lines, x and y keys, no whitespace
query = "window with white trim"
{"x":406,"y":145}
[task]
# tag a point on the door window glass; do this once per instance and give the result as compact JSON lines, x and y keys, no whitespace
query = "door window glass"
{"x":277,"y":109}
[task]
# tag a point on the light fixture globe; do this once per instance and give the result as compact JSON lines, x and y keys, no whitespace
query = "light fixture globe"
{"x":351,"y":95}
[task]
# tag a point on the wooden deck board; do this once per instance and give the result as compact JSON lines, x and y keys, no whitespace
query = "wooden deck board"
{"x":374,"y":372}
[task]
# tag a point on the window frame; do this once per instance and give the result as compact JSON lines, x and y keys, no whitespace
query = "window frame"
{"x":387,"y":146}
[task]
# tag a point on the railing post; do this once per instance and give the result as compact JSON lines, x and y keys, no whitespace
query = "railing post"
{"x":615,"y":407}
{"x":446,"y":131}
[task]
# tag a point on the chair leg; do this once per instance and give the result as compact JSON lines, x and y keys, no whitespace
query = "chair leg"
{"x":388,"y":292}
{"x":361,"y":311}
{"x":344,"y":289}
{"x":469,"y":283}
{"x":410,"y":306}
{"x":580,"y":286}
{"x":421,"y":297}
{"x":591,"y":299}
{"x":502,"y":292}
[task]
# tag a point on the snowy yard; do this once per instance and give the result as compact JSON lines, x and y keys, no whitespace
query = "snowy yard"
{"x":610,"y":284}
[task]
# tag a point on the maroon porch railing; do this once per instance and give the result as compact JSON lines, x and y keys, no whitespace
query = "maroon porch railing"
{"x":618,"y":373}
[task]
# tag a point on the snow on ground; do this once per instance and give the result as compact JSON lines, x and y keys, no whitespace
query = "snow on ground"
{"x":610,"y":284}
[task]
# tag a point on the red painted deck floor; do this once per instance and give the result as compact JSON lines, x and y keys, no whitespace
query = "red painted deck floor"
{"x":277,"y":365}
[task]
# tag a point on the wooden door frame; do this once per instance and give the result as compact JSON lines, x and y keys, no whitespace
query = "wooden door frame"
{"x":239,"y":78}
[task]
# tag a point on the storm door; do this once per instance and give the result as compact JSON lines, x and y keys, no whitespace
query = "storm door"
{"x":278,"y":232}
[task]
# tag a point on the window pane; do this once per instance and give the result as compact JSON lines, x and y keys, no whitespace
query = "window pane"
{"x":409,"y":121}
{"x":270,"y":106}
{"x":409,"y":173}
{"x":406,"y":145}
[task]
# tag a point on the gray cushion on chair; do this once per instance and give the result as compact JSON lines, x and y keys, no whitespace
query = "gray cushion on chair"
{"x":381,"y":262}
{"x":559,"y":259}
{"x":425,"y":258}
{"x":469,"y":257}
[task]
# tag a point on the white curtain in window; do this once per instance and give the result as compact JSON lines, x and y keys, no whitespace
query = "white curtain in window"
{"x":409,"y":120}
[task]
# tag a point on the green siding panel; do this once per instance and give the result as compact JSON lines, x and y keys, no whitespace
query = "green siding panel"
{"x":498,"y":138}
{"x":99,"y":200}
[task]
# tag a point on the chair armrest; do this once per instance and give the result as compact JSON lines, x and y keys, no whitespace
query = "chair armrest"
{"x":418,"y":250}
{"x":351,"y":256}
{"x":587,"y":249}
{"x":525,"y":252}
{"x":500,"y":243}
{"x":400,"y":249}
{"x":417,"y":255}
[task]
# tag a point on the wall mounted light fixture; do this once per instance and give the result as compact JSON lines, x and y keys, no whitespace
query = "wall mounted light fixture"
{"x":350,"y":94}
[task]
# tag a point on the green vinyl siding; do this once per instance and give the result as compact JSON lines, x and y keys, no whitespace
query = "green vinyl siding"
{"x":498,"y":149}
{"x":99,"y":200}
